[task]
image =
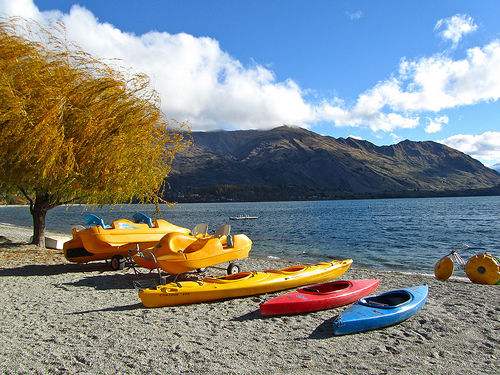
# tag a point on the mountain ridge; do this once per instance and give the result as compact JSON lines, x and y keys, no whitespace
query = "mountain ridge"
{"x":288,"y":163}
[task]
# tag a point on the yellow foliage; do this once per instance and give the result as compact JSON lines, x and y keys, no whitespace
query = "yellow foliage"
{"x":71,"y":127}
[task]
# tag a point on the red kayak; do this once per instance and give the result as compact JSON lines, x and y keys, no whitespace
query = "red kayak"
{"x":319,"y":297}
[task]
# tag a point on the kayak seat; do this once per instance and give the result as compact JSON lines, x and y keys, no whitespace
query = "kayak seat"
{"x":223,"y":230}
{"x":387,"y":300}
{"x":223,"y":234}
{"x":200,"y":229}
{"x":94,"y":220}
{"x":140,"y":217}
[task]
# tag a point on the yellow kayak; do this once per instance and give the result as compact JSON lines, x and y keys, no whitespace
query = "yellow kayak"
{"x":242,"y":284}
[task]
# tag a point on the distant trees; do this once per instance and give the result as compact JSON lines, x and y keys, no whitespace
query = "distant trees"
{"x":72,"y":128}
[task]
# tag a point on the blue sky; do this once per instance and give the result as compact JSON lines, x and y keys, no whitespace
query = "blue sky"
{"x":343,"y":68}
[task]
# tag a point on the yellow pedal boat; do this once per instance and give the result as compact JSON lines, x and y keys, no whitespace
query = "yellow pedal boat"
{"x":101,"y":242}
{"x":178,"y":253}
{"x":242,"y":284}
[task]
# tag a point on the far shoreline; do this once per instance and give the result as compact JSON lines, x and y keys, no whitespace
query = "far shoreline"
{"x":494,"y":193}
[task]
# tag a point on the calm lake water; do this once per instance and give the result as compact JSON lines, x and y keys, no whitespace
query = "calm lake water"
{"x":399,"y":234}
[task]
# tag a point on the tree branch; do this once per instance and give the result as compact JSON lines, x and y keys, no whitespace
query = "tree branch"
{"x":25,"y":194}
{"x":32,"y":203}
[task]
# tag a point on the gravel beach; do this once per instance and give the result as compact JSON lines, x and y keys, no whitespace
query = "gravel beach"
{"x":59,"y":317}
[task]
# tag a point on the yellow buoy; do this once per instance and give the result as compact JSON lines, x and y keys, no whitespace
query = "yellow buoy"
{"x":483,"y":268}
{"x":444,"y":268}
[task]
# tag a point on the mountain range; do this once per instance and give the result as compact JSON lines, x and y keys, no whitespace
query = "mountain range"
{"x":288,"y":163}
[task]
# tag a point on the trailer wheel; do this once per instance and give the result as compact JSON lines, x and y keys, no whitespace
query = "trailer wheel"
{"x":117,"y":263}
{"x":233,"y":268}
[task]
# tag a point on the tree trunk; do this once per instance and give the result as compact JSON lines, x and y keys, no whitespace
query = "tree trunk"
{"x":39,"y":212}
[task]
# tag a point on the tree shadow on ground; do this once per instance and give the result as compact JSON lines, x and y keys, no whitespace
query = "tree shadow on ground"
{"x":324,"y":330}
{"x":115,"y":281}
{"x":134,"y":306}
{"x":53,"y":269}
{"x":8,"y":244}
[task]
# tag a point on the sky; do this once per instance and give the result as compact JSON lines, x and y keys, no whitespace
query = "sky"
{"x":381,"y":71}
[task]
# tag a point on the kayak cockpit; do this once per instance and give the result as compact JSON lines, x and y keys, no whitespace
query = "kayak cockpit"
{"x":332,"y":287}
{"x":230,"y":278}
{"x":387,"y":300}
{"x":289,"y":270}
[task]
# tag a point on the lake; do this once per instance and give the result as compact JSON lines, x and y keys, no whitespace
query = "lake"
{"x":398,"y":234}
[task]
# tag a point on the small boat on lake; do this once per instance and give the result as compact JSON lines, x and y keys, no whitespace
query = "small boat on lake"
{"x":382,"y":310}
{"x":319,"y":297}
{"x":243,"y":217}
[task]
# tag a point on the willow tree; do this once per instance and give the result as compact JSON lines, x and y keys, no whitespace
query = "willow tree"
{"x":74,"y":129}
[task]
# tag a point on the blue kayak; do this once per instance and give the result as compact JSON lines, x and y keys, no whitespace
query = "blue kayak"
{"x":381,"y":310}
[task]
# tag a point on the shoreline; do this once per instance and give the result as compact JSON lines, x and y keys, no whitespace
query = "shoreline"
{"x":494,"y":193}
{"x":16,"y":232}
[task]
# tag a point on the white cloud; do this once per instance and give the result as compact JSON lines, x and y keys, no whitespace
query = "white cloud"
{"x":355,"y":137}
{"x":201,"y":83}
{"x":484,"y":147}
{"x":20,"y":8}
{"x":429,"y":84}
{"x":438,"y":82}
{"x":455,"y":27}
{"x":196,"y":79}
{"x":366,"y":112}
{"x":436,"y":124}
{"x":354,"y":16}
{"x":395,"y":138}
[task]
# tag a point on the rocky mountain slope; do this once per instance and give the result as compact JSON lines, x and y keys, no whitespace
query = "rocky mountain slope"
{"x":292,"y":163}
